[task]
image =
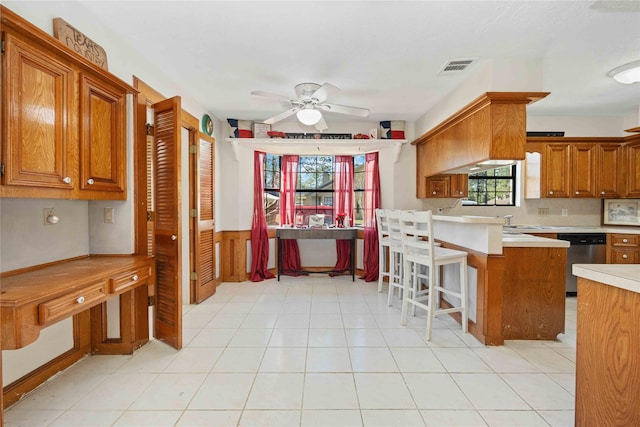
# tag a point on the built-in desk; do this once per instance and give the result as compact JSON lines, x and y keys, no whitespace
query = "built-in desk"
{"x":351,"y":234}
{"x":34,"y":298}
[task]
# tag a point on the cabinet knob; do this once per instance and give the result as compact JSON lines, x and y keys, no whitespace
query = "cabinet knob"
{"x":603,"y":193}
{"x":135,"y":277}
{"x":80,"y":300}
{"x":624,"y":240}
{"x":550,"y":192}
{"x":174,"y":237}
{"x":90,"y":181}
{"x":66,"y":180}
{"x":625,"y":256}
{"x":577,"y":192}
{"x":434,"y":193}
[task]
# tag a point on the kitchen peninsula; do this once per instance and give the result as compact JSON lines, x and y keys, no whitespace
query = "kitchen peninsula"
{"x":516,"y":281}
{"x":608,"y":344}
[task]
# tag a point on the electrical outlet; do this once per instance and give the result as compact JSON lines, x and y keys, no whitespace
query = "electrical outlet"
{"x":48,"y":215}
{"x":543,"y":211}
{"x":565,"y":212}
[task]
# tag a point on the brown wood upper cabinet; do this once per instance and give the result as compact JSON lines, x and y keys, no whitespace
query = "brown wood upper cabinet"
{"x":63,"y":120}
{"x":578,"y":168}
{"x":455,"y":185}
{"x":632,"y":154}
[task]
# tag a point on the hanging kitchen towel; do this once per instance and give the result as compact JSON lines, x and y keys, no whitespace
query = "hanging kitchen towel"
{"x":392,"y":129}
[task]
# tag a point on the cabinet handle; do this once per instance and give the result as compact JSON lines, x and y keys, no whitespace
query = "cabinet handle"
{"x":434,"y":193}
{"x":80,"y":300}
{"x":550,"y":192}
{"x":577,"y":192}
{"x":66,"y":180}
{"x":602,"y":192}
{"x":90,"y":181}
{"x":624,"y":240}
{"x":174,"y":237}
{"x":625,"y":256}
{"x":135,"y":277}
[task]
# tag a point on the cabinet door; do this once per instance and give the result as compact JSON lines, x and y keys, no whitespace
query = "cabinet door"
{"x":555,"y":180}
{"x":633,"y":169}
{"x":608,"y":170}
{"x":438,"y":186}
{"x":38,"y":147}
{"x":103,"y":137}
{"x":459,"y":185}
{"x":583,"y":170}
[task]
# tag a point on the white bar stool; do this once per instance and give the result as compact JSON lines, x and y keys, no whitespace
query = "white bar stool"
{"x":420,"y":250}
{"x":384,"y":243}
{"x":395,"y":254}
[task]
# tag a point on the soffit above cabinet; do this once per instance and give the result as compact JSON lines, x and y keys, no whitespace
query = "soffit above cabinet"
{"x":490,"y":128}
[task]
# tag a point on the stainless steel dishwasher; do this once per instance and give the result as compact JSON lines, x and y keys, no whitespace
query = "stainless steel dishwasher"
{"x":586,"y":248}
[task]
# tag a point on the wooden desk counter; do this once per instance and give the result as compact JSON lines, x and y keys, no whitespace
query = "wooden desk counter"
{"x":34,"y":298}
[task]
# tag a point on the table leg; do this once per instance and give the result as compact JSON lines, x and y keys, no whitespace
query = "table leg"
{"x":353,"y":260}
{"x":279,"y":257}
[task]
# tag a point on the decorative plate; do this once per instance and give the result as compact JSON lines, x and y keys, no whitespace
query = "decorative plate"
{"x":207,"y":125}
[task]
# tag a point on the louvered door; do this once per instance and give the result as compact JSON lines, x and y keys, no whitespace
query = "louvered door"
{"x":166,"y":157}
{"x":204,"y":242}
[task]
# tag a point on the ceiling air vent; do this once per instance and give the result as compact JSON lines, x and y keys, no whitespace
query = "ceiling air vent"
{"x":457,"y":65}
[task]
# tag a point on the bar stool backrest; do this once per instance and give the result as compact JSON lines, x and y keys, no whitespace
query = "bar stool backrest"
{"x":417,"y":233}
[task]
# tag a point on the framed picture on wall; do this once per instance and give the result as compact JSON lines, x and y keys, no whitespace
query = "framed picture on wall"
{"x":621,"y":212}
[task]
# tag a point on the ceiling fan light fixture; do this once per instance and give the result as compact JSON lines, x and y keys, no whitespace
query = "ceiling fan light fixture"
{"x":626,"y":74}
{"x":309,"y":116}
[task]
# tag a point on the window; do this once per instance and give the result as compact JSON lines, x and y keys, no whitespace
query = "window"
{"x":271,"y":196}
{"x":314,"y":192}
{"x":494,"y":187}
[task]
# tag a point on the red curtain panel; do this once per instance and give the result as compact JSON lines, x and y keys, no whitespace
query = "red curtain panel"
{"x":288,"y":180}
{"x":343,"y":204}
{"x":259,"y":237}
{"x":371,"y":203}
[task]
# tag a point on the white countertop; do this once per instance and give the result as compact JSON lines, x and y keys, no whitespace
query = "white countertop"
{"x":624,"y":276}
{"x":528,"y":241}
{"x":575,"y":229}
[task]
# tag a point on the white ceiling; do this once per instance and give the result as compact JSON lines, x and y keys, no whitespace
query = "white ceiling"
{"x":385,"y":56}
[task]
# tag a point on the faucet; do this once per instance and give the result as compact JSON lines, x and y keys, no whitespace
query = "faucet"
{"x":507,"y":220}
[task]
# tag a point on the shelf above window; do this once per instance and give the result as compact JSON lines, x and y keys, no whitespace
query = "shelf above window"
{"x":318,"y":147}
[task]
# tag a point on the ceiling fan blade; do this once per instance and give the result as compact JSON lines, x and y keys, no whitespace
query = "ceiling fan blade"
{"x":344,"y":109}
{"x":273,"y":96}
{"x":321,"y":125}
{"x":281,"y":116}
{"x":324,"y":92}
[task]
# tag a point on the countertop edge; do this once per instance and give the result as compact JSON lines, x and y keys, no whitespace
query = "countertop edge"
{"x":623,"y":276}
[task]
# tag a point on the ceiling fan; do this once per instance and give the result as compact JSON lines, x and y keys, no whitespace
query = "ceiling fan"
{"x":311,"y":98}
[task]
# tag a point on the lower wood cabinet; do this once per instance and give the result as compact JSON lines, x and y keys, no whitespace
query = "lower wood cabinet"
{"x":623,"y":249}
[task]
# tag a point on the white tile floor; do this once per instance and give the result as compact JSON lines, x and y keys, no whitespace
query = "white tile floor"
{"x":313,"y":351}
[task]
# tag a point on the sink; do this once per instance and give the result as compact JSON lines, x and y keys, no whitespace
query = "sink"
{"x":529,"y":227}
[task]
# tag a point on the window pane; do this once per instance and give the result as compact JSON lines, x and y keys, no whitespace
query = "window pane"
{"x":307,"y":181}
{"x":358,"y":209}
{"x":493,"y":187}
{"x":272,"y":208}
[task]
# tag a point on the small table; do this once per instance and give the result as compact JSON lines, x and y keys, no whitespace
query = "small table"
{"x":318,"y":233}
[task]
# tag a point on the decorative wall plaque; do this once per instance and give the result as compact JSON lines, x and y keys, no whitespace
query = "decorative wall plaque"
{"x":80,"y":43}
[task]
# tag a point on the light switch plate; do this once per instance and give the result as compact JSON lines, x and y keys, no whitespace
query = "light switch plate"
{"x":109,"y":215}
